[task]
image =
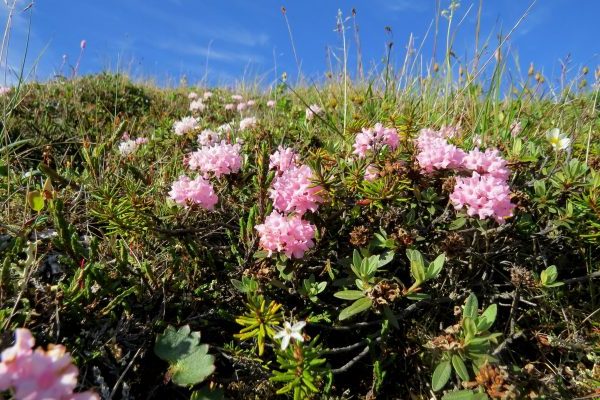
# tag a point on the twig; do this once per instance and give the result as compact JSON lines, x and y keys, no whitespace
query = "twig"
{"x":122,"y":376}
{"x":351,"y":363}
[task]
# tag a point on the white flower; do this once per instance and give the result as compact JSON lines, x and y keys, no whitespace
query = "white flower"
{"x":197,"y":105}
{"x":225,"y":128}
{"x":558,"y":140}
{"x":246,"y":123}
{"x":271,"y":103}
{"x":193,"y":96}
{"x":184,"y":126}
{"x":312,"y":110}
{"x":208,"y":138}
{"x":290,"y":332}
{"x":207,"y":95}
{"x":237,"y":97}
{"x":127,"y":147}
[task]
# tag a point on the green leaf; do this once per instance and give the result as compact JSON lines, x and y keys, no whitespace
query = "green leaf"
{"x":194,"y":368}
{"x":457,"y":223}
{"x":435,"y":267}
{"x":174,"y":345}
{"x":441,"y":375}
{"x":417,"y":265}
{"x":471,"y":307}
{"x":349,"y":294}
{"x":356,"y":258}
{"x":460,"y":367}
{"x":358,"y":306}
{"x":459,"y":395}
{"x":470,"y":329}
{"x":549,"y":275}
{"x":35,"y":200}
{"x":487,"y":318}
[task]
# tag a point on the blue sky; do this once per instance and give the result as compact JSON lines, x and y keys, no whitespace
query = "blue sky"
{"x":231,"y":40}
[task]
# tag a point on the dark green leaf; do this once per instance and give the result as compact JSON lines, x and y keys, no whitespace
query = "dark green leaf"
{"x":460,"y":367}
{"x":358,"y":306}
{"x":441,"y":375}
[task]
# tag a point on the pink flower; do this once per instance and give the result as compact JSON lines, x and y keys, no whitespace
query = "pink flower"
{"x":208,"y":138}
{"x":374,"y":139}
{"x":193,"y":96}
{"x":515,"y":128}
{"x":271,"y":103}
{"x":237,"y":97}
{"x":229,"y":107}
{"x":449,"y":131}
{"x":188,"y":192}
{"x":251,"y":103}
{"x":483,"y":195}
{"x":489,"y":162}
{"x":371,"y":173}
{"x":294,"y":191}
{"x":290,"y":235}
{"x":312,"y":110}
{"x":283,"y":159}
{"x":185,"y":125}
{"x":4,"y":90}
{"x":39,"y":374}
{"x":141,"y":140}
{"x":241,"y":106}
{"x":197,"y":105}
{"x":220,"y":159}
{"x":249,"y":122}
{"x":436,"y":153}
{"x":207,"y":95}
{"x":83,"y":44}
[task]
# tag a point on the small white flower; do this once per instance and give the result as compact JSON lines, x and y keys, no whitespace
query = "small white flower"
{"x":207,"y":95}
{"x":197,"y":105}
{"x":312,"y":110}
{"x":290,"y":332}
{"x":127,"y":147}
{"x":249,"y":122}
{"x":193,"y":96}
{"x":558,"y":140}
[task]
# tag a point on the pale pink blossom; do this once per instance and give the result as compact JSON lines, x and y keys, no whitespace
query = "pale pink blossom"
{"x":515,"y":128}
{"x":83,"y":44}
{"x":39,"y":374}
{"x":127,"y":147}
{"x":187,"y":192}
{"x":449,"y":131}
{"x":249,"y":122}
{"x":484,"y":196}
{"x":375,"y":139}
{"x":251,"y":103}
{"x":241,"y":106}
{"x":313,"y":110}
{"x":283,"y":159}
{"x":207,"y":95}
{"x":220,"y":159}
{"x":197,"y":106}
{"x":208,"y":138}
{"x":141,"y":140}
{"x":435,"y":153}
{"x":4,"y":90}
{"x":225,"y":128}
{"x":371,"y":173}
{"x":290,"y":235}
{"x":229,"y":107}
{"x":271,"y":103}
{"x":294,"y":191}
{"x":185,"y":125}
{"x":193,"y":96}
{"x":237,"y":98}
{"x":488,"y":162}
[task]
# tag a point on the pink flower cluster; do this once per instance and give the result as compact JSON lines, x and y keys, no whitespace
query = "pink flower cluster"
{"x":221,"y":159}
{"x":371,"y":173}
{"x":199,"y":191}
{"x":483,"y":195}
{"x":283,"y":159}
{"x":288,"y":234}
{"x":436,"y":153}
{"x":293,"y":191}
{"x":197,"y":106}
{"x":38,"y":374}
{"x":488,"y":162}
{"x":129,"y":146}
{"x":247,"y":123}
{"x":374,"y":139}
{"x":313,"y":110}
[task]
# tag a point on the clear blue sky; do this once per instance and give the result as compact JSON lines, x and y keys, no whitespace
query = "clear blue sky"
{"x":233,"y":39}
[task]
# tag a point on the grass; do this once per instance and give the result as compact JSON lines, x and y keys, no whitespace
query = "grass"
{"x":95,"y":256}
